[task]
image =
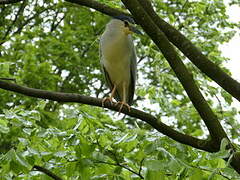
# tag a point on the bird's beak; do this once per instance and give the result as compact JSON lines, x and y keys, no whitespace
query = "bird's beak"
{"x":134,"y":30}
{"x":131,"y":30}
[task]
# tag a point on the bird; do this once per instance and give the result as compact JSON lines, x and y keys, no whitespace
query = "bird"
{"x":118,"y":60}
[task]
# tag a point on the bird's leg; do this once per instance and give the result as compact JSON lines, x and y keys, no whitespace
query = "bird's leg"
{"x":123,"y":102}
{"x":111,"y":96}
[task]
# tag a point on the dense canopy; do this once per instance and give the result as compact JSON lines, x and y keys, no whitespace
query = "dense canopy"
{"x":182,"y":124}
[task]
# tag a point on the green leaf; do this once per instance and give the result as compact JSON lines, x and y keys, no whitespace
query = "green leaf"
{"x":153,"y":175}
{"x":60,"y":154}
{"x":3,"y":127}
{"x":150,"y":148}
{"x":21,"y":161}
{"x":99,"y":156}
{"x":154,"y":165}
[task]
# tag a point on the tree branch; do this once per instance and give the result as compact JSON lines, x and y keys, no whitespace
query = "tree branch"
{"x":99,"y":7}
{"x":194,"y":54}
{"x":206,"y":145}
{"x":29,"y":19}
{"x":120,"y":165}
{"x":9,"y":1}
{"x":19,"y":13}
{"x":210,"y":119}
{"x":186,"y":79}
{"x":47,"y":172}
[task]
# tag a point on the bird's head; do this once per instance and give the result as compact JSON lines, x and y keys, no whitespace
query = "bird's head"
{"x":125,"y":23}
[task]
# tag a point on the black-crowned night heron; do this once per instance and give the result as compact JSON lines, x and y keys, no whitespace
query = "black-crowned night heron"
{"x":118,"y":60}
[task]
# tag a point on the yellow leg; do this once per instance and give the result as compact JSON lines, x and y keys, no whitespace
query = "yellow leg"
{"x":123,"y":102}
{"x":111,"y":96}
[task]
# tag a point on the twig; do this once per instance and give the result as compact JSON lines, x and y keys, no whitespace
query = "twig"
{"x":20,"y":11}
{"x":178,"y":17}
{"x":217,"y":172}
{"x":141,"y":164}
{"x":53,"y":25}
{"x":220,"y":104}
{"x":29,"y":19}
{"x":47,"y":172}
{"x":122,"y":166}
{"x":141,"y":58}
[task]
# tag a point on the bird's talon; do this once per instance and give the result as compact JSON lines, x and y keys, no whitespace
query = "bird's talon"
{"x":107,"y":99}
{"x":121,"y":106}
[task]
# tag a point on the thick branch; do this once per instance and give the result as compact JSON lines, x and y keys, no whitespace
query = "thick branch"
{"x":9,"y":1}
{"x":186,"y":79}
{"x":161,"y":41}
{"x":99,"y":7}
{"x":47,"y":172}
{"x":154,"y":122}
{"x":194,"y":54}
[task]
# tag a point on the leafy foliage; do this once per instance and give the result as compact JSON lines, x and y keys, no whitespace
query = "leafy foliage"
{"x":54,"y":46}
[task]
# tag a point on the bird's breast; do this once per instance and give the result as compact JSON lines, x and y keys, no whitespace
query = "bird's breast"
{"x":116,"y":58}
{"x":115,"y":47}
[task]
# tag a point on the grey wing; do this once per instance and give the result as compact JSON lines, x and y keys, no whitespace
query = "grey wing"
{"x":107,"y":77}
{"x":133,"y":73}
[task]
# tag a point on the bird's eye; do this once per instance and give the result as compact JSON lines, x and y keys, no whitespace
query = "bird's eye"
{"x":126,"y":24}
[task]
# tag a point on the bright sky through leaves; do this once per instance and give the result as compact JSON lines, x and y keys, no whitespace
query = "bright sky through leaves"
{"x":231,"y":49}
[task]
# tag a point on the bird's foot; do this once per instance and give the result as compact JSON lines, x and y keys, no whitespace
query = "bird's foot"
{"x":110,"y":99}
{"x":121,"y":106}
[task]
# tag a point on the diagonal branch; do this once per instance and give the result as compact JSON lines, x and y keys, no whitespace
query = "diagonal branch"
{"x":194,"y":54}
{"x":47,"y":172}
{"x":210,"y":119}
{"x":206,"y":145}
{"x":186,"y":79}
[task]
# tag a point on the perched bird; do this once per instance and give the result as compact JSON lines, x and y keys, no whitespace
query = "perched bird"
{"x":118,"y":60}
